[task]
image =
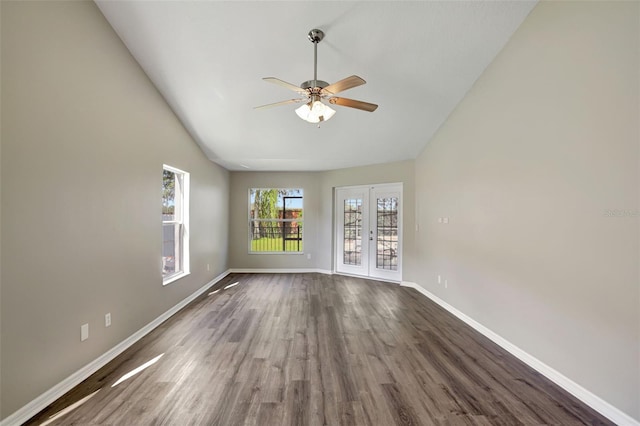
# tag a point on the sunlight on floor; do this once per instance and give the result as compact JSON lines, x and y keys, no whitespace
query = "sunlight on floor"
{"x":68,"y":409}
{"x":137,"y":370}
{"x":229,"y":286}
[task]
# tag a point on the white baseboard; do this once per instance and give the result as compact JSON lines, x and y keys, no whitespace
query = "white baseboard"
{"x":601,"y":406}
{"x":366,"y":277}
{"x":279,"y":271}
{"x":302,"y":271}
{"x":41,"y":402}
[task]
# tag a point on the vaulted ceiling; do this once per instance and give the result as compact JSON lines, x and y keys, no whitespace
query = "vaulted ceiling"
{"x":208,"y":58}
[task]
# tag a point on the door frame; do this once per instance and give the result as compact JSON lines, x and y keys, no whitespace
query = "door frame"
{"x":370,"y":188}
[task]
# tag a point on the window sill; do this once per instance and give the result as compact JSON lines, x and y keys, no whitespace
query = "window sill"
{"x":175,"y":277}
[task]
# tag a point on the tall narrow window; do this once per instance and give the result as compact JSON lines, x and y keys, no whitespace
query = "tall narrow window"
{"x":175,"y":224}
{"x":275,"y":220}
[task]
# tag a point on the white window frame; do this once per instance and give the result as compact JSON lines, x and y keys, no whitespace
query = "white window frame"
{"x":251,"y":220}
{"x":181,"y":219}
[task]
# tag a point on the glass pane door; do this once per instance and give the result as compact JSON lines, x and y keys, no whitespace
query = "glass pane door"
{"x":352,"y":235}
{"x":352,"y":230}
{"x":387,"y":233}
{"x":368,"y":231}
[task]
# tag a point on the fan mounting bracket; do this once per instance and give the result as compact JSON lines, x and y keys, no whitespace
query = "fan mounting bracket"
{"x":315,"y":35}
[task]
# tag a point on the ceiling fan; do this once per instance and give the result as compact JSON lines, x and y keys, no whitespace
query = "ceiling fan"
{"x":313,"y":91}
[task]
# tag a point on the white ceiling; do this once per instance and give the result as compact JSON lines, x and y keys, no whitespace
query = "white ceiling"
{"x":207,"y":58}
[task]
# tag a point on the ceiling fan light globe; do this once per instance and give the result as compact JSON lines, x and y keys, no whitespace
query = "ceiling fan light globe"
{"x":303,"y":111}
{"x":315,"y":112}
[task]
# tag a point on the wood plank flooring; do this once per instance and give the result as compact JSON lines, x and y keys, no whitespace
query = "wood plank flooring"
{"x":311,"y":349}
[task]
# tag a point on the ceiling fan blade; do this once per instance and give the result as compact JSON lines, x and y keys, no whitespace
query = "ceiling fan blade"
{"x":290,"y":101}
{"x":352,"y":103}
{"x":344,"y":84}
{"x":285,"y":84}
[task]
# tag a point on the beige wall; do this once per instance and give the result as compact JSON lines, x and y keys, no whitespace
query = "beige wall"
{"x":318,"y":211}
{"x":84,"y":137}
{"x":526,"y":168}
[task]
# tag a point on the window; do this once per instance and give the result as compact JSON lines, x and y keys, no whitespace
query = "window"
{"x":275,"y":220}
{"x":175,"y":224}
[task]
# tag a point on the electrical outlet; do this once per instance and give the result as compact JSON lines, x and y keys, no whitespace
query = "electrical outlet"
{"x":84,"y":332}
{"x":439,"y":279}
{"x":208,"y":267}
{"x":308,"y":256}
{"x":107,"y":319}
{"x":446,"y":220}
{"x":446,"y":284}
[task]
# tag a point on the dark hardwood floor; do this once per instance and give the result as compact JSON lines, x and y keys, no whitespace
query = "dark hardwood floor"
{"x":311,"y":349}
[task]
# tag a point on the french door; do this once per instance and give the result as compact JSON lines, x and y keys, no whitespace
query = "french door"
{"x":369,"y":231}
